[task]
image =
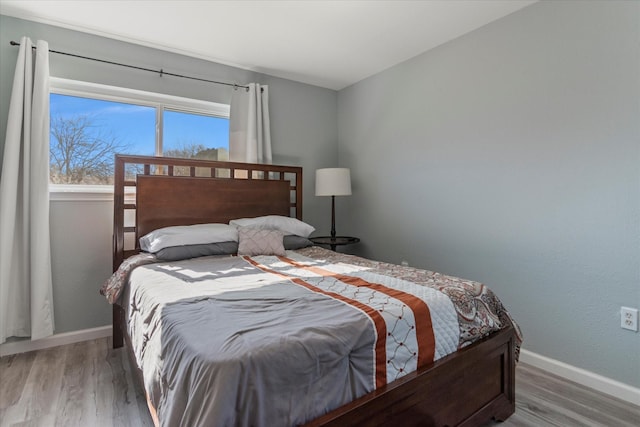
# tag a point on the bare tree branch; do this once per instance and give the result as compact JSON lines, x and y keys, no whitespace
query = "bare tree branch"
{"x":81,"y":153}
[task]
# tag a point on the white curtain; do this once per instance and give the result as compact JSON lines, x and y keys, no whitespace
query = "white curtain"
{"x":249,"y":132}
{"x":26,"y":302}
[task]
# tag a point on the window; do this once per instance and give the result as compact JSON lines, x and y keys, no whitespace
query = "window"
{"x":90,"y":123}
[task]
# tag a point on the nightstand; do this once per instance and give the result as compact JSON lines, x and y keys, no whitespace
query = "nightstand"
{"x":334,"y":241}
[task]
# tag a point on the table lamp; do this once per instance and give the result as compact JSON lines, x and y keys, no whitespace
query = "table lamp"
{"x":333,"y":182}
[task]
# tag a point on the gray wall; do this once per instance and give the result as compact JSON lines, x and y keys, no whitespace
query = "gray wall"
{"x":511,"y":156}
{"x":303,"y":125}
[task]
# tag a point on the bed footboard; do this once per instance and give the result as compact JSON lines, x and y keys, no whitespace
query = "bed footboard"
{"x":467,"y":388}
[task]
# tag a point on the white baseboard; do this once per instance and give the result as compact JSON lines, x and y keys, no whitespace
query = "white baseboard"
{"x":16,"y":347}
{"x":582,"y":376}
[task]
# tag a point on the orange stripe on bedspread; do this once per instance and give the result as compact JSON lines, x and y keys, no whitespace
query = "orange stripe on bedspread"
{"x":424,"y":329}
{"x":378,"y":321}
{"x":152,"y":411}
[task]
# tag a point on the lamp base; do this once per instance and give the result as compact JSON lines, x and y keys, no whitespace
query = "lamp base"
{"x":333,"y":216}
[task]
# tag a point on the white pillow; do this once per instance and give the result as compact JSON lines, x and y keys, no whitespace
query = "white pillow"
{"x":276,"y":222}
{"x":187,"y":235}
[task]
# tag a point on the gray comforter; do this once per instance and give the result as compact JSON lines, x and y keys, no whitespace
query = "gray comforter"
{"x":268,"y":341}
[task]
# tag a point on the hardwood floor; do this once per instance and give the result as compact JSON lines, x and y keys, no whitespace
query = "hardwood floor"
{"x":90,"y":384}
{"x":82,"y":384}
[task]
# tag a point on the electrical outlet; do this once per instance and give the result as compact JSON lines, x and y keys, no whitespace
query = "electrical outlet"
{"x":405,"y":263}
{"x":629,"y":318}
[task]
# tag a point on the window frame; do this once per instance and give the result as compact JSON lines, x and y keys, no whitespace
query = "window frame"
{"x":160,"y":102}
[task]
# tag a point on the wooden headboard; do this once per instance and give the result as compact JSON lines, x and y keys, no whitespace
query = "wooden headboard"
{"x":167,"y":191}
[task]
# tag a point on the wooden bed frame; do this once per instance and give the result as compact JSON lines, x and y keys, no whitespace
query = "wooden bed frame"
{"x":467,"y":388}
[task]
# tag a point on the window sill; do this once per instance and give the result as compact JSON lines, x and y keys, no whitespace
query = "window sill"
{"x":87,"y":193}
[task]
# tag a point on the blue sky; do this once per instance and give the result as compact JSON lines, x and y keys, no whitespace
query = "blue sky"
{"x":134,"y":125}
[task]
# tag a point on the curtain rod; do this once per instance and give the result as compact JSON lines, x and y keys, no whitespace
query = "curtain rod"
{"x":161,"y":72}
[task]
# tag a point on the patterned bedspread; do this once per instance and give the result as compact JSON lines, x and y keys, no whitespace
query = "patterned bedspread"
{"x":267,"y":340}
{"x":479,"y":310}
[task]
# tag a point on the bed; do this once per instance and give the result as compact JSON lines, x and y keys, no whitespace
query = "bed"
{"x":435,"y":386}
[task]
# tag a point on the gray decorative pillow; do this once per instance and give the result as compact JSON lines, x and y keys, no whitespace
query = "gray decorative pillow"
{"x":256,"y":241}
{"x":292,"y":242}
{"x":176,"y":253}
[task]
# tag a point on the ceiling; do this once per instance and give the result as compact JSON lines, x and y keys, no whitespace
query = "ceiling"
{"x":332,"y":44}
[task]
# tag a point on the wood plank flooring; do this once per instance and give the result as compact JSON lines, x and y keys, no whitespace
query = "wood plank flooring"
{"x":90,"y":384}
{"x":83,"y":384}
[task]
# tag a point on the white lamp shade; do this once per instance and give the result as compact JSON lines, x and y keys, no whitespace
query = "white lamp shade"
{"x":333,"y":182}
